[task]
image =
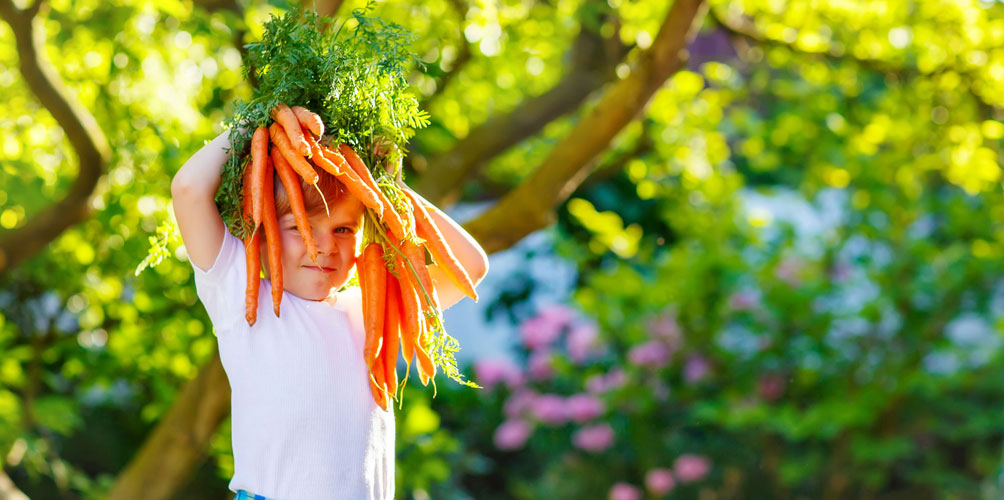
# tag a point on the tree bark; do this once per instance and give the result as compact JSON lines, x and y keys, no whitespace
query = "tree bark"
{"x":81,"y":130}
{"x":179,"y":442}
{"x":593,"y":62}
{"x":531,"y":206}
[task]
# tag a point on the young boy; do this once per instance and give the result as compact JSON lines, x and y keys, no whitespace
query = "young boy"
{"x":304,"y":423}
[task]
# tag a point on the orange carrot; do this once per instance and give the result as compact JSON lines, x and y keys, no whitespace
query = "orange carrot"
{"x":377,"y":386}
{"x":272,"y":237}
{"x":416,"y":255}
{"x":259,"y":154}
{"x":252,"y":260}
{"x":410,"y":314}
{"x":391,"y":330}
{"x":440,"y":250}
{"x":295,"y":196}
{"x":310,"y":120}
{"x":426,"y":368}
{"x":353,"y":183}
{"x":413,"y":326}
{"x":373,"y":280}
{"x":292,"y":157}
{"x":287,"y":119}
{"x":390,"y":216}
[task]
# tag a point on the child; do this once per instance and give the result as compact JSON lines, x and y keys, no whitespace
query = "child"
{"x":304,"y":423}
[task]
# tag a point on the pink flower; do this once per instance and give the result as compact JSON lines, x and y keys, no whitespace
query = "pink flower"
{"x":688,"y":468}
{"x":512,"y":434}
{"x":583,"y":407}
{"x":666,"y":327}
{"x":490,"y":372}
{"x":539,"y":365}
{"x":696,"y":369}
{"x":581,"y":342}
{"x":771,"y":387}
{"x":788,"y":271}
{"x":594,"y":438}
{"x":624,"y":491}
{"x":652,"y":353}
{"x":599,"y":384}
{"x":519,"y":403}
{"x":549,"y":409}
{"x":544,"y":328}
{"x":743,"y":301}
{"x":660,"y":481}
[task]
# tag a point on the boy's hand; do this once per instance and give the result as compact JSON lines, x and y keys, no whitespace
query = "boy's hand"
{"x":390,"y":157}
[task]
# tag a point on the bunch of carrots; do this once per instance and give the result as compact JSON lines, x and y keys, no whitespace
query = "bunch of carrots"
{"x":400,"y":307}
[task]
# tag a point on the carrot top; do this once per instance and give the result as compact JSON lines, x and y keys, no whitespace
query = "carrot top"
{"x":354,"y":76}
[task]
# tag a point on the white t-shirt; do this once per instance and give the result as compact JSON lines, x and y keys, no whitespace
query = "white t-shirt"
{"x":304,"y":423}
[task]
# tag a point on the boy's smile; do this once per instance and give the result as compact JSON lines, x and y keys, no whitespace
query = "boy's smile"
{"x":336,"y":240}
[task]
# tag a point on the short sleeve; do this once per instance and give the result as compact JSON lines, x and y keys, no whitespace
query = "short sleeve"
{"x":221,"y":287}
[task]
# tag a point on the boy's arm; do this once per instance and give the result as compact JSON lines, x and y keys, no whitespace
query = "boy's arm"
{"x":192,"y":193}
{"x":467,"y":250}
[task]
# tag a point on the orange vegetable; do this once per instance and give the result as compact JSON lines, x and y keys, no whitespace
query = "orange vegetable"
{"x":259,"y":155}
{"x":287,"y":119}
{"x":309,"y":120}
{"x":377,"y":386}
{"x":292,"y":186}
{"x":353,"y":183}
{"x":416,"y":255}
{"x":441,"y":253}
{"x":294,"y":159}
{"x":411,"y":313}
{"x":252,"y":258}
{"x":373,"y":280}
{"x":272,"y":237}
{"x":389,"y":215}
{"x":391,"y":330}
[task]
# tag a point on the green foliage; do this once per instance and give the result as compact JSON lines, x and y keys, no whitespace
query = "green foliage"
{"x":355,"y":81}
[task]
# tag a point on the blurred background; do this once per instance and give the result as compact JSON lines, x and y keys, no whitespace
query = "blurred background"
{"x":739,"y":248}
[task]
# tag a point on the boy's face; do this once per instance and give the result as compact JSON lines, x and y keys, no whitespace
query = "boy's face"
{"x":335,"y":238}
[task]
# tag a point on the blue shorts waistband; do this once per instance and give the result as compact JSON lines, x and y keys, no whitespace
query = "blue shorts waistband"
{"x":245,"y":495}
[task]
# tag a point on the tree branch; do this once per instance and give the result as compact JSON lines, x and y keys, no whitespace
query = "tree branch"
{"x":531,"y":206}
{"x":81,"y":129}
{"x":179,"y":442}
{"x":594,"y":59}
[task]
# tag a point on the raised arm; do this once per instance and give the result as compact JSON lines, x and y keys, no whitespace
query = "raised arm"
{"x":467,"y":250}
{"x":192,"y":193}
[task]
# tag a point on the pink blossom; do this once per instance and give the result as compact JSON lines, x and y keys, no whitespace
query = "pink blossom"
{"x":594,"y":438}
{"x":743,"y":301}
{"x":624,"y":491}
{"x":788,"y":271}
{"x":666,"y":327}
{"x":599,"y":384}
{"x":512,"y":434}
{"x":490,"y":372}
{"x":771,"y":387}
{"x":549,"y":409}
{"x":689,"y":468}
{"x":583,"y":407}
{"x":544,"y":328}
{"x":581,"y":342}
{"x":519,"y":402}
{"x":653,"y":353}
{"x":660,"y":481}
{"x":696,"y":369}
{"x":540,"y":366}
